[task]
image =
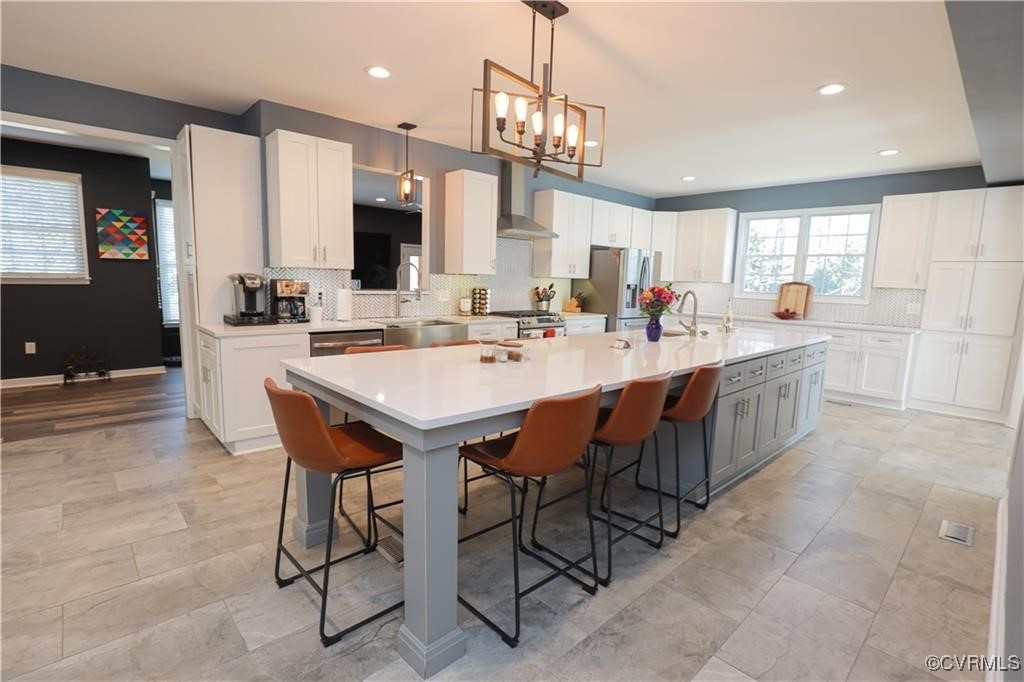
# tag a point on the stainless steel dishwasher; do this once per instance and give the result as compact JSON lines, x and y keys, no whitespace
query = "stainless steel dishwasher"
{"x":335,"y":343}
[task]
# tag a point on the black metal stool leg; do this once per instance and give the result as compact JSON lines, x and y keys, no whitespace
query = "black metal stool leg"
{"x":608,"y":502}
{"x":281,"y":582}
{"x":324,"y":639}
{"x":464,"y":507}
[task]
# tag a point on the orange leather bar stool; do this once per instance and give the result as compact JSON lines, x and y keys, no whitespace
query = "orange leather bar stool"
{"x":554,"y":436}
{"x":694,"y":405}
{"x":342,"y":451}
{"x":631,"y":422}
{"x":354,"y":350}
{"x":464,"y":342}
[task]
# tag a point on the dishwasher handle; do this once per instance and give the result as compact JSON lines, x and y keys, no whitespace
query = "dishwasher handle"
{"x":317,"y":345}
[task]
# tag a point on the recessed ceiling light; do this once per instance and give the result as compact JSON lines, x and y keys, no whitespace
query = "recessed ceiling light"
{"x":590,"y":143}
{"x":689,"y":178}
{"x":378,"y":72}
{"x":831,"y":88}
{"x":889,"y":152}
{"x":380,"y":199}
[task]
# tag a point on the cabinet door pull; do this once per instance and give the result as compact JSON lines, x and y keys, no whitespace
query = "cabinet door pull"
{"x":758,"y":372}
{"x":779,"y":365}
{"x":970,"y":321}
{"x":966,"y":346}
{"x":733,"y":380}
{"x":315,"y":260}
{"x":325,"y":254}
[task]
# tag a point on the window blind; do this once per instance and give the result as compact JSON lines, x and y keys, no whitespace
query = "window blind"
{"x":167,"y":261}
{"x":42,"y":231}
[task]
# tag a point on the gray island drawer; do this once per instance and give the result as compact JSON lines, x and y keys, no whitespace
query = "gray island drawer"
{"x":732,"y":379}
{"x":776,"y":365}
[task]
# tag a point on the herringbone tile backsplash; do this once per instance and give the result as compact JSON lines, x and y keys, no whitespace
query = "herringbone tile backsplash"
{"x":511,"y":289}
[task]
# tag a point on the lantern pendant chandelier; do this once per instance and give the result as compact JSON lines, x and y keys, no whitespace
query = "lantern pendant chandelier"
{"x":407,"y":180}
{"x":570,"y":124}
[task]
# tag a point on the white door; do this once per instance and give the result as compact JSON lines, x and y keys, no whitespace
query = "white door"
{"x":479,"y":223}
{"x":689,"y":235}
{"x":881,"y":373}
{"x":663,"y":241}
{"x":936,"y":363}
{"x":601,"y":223}
{"x":1002,"y":225}
{"x":718,"y":245}
{"x":640,"y":236}
{"x":185,"y":248}
{"x":579,"y":236}
{"x":334,"y":203}
{"x":995,"y":298}
{"x":841,"y":369}
{"x":901,"y":260}
{"x":622,"y":222}
{"x":956,"y":224}
{"x":948,"y":296}
{"x":292,"y":200}
{"x":985,"y":362}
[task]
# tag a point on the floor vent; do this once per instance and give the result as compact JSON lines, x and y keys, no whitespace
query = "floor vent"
{"x":391,"y":549}
{"x":960,"y":533}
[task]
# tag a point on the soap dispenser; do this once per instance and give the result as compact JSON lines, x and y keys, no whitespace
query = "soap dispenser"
{"x":727,"y":318}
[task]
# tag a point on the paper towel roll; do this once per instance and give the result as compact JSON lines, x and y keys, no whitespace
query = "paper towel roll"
{"x":344,"y":304}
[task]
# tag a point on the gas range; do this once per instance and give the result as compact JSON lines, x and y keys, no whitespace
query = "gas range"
{"x":536,"y":323}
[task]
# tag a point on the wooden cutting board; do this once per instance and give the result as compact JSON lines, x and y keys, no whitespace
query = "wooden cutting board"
{"x":796,"y":297}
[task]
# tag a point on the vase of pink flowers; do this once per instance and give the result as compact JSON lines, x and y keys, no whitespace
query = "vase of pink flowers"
{"x":655,"y":302}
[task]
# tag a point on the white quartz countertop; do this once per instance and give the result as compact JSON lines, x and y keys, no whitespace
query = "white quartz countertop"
{"x":717,"y":317}
{"x":435,"y":387}
{"x":221,"y":329}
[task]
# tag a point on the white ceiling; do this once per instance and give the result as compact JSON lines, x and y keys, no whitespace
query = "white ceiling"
{"x":722,"y":91}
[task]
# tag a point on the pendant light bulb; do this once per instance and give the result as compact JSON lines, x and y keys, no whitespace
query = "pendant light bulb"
{"x":501,"y":104}
{"x":538,"y":123}
{"x":571,"y":139}
{"x":557,"y":130}
{"x":521,"y":109}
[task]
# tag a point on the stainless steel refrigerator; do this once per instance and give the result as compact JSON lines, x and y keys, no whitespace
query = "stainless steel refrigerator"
{"x":617,"y":277}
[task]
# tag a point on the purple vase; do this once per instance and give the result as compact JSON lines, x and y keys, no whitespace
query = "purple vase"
{"x":654,"y":328}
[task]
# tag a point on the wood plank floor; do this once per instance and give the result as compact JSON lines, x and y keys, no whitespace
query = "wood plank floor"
{"x":46,"y":410}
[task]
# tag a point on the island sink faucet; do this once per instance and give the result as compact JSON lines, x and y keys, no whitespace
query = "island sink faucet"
{"x":398,"y":286}
{"x":691,"y":328}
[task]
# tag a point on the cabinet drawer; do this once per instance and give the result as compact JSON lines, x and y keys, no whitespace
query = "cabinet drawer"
{"x":776,"y":365}
{"x":732,"y":379}
{"x":754,"y":372}
{"x":795,"y":360}
{"x":843,"y":337}
{"x":814,"y":355}
{"x":884,"y":340}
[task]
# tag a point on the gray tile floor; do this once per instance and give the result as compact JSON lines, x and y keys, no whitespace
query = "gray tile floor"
{"x":146,"y":552}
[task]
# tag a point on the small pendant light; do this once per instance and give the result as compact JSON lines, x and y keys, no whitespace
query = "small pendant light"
{"x":407,"y":180}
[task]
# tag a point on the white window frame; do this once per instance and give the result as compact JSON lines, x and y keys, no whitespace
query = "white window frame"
{"x":157,"y":204}
{"x":50,"y":278}
{"x":800,"y":267}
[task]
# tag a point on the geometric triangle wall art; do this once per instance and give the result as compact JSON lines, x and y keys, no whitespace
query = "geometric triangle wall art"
{"x":122,"y":234}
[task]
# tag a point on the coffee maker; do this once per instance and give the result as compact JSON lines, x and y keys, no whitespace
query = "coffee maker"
{"x":249,"y":300}
{"x":288,"y":300}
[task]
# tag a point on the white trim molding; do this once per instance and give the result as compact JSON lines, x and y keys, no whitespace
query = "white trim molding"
{"x":54,"y":379}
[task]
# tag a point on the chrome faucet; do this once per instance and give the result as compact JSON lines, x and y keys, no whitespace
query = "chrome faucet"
{"x":398,"y":286}
{"x":691,"y":328}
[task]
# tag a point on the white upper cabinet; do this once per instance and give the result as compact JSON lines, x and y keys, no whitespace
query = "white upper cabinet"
{"x":948,"y":299}
{"x":569,"y":215}
{"x":995,"y":298}
{"x":640,"y":237}
{"x":663,"y":242}
{"x":1002,"y":225}
{"x":903,"y":241}
{"x":957,"y":224}
{"x":470,"y":223}
{"x":610,"y":224}
{"x":706,"y":245}
{"x":309,"y":201}
{"x":689,"y":242}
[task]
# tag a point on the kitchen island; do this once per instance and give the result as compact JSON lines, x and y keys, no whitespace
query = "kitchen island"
{"x":433,"y":399}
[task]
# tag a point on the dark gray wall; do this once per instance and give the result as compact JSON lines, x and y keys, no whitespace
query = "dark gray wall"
{"x":989,"y":40}
{"x":40,"y":94}
{"x":385,"y":149}
{"x":850,"y":192}
{"x":116,"y":314}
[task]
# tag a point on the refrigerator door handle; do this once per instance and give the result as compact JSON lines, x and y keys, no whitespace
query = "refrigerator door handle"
{"x":644,"y":272}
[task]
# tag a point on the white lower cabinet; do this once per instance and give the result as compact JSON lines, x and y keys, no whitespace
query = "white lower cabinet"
{"x":965,"y":370}
{"x":841,"y":371}
{"x":873,"y":365}
{"x":585,"y":325}
{"x":880,"y":373}
{"x":493,"y":331}
{"x":234,"y":402}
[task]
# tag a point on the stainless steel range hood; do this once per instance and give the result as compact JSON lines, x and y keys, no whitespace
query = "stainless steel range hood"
{"x":512,"y":223}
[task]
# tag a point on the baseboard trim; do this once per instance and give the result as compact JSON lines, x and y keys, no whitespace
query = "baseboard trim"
{"x":54,"y":379}
{"x":870,"y":401}
{"x":997,"y":610}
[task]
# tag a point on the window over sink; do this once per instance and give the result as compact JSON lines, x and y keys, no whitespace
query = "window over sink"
{"x":832,"y":249}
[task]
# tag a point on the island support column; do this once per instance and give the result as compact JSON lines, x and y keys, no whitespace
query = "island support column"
{"x":313,"y":499}
{"x":430,"y":638}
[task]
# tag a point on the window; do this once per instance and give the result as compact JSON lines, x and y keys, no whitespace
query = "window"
{"x":42,"y":227}
{"x":831,"y":249}
{"x":167,"y":261}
